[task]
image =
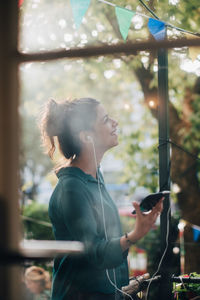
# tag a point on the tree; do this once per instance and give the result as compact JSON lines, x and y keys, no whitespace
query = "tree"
{"x":120,"y":72}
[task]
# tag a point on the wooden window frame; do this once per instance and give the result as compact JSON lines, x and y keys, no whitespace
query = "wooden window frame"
{"x":10,"y":58}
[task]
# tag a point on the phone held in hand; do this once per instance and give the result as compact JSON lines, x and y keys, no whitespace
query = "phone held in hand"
{"x":151,"y":200}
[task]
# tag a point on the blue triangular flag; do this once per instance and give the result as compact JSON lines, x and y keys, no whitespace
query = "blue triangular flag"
{"x":79,"y":8}
{"x":157,"y":29}
{"x":196,"y":233}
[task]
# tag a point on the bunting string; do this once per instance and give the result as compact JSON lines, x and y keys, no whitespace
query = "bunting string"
{"x":106,"y":2}
{"x":148,"y":8}
{"x":114,"y":5}
{"x":156,"y":18}
{"x":168,"y":24}
{"x":156,"y":26}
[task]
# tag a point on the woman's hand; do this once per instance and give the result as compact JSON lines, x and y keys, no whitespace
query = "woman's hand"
{"x":144,"y":222}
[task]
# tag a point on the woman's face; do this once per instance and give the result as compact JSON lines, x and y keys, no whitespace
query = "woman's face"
{"x":105,"y":130}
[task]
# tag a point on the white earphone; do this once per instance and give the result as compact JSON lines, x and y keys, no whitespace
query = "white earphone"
{"x":89,"y":138}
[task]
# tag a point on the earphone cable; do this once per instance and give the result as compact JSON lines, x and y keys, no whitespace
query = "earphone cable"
{"x":161,"y":260}
{"x":105,"y":230}
{"x":106,"y":236}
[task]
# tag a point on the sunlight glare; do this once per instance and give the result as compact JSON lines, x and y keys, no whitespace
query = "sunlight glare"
{"x":62,"y":23}
{"x":94,"y":33}
{"x":68,"y":37}
{"x":173,"y":2}
{"x":191,"y":66}
{"x":109,"y":74}
{"x":138,"y":22}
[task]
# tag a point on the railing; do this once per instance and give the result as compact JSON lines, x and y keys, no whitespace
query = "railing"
{"x":40,"y":250}
{"x":140,"y":283}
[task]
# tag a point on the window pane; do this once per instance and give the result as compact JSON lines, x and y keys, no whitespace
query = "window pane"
{"x":48,"y":25}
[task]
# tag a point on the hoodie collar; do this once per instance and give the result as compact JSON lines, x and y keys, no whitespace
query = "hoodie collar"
{"x":75,"y":171}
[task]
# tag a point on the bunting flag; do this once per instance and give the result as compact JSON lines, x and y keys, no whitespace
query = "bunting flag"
{"x":195,"y":229}
{"x":20,"y":2}
{"x":79,"y":8}
{"x":157,"y":29}
{"x":124,"y":17}
{"x":196,"y":232}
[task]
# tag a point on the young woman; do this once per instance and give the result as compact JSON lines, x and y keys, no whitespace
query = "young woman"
{"x":80,"y":207}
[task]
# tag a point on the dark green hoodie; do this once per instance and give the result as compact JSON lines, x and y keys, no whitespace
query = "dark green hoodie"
{"x":75,"y":210}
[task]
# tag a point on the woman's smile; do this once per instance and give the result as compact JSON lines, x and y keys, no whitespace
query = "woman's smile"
{"x":114,"y":132}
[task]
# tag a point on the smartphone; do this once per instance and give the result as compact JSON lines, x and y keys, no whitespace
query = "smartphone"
{"x":151,"y":200}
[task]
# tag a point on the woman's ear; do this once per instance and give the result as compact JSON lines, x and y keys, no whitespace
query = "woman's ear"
{"x":85,"y":137}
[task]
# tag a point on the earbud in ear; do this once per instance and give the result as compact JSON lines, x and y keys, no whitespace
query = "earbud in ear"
{"x":89,"y":138}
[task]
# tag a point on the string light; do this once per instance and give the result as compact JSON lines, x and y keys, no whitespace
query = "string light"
{"x":176,"y":250}
{"x":152,"y":103}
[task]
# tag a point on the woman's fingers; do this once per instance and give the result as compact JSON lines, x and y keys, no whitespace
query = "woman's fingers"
{"x":159,"y":205}
{"x":156,"y":211}
{"x":137,"y":208}
{"x":145,"y":221}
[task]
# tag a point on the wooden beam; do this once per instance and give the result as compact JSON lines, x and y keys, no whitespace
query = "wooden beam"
{"x":93,"y":51}
{"x":9,"y":131}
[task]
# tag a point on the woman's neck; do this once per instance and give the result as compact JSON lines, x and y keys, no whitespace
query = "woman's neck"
{"x":87,"y":163}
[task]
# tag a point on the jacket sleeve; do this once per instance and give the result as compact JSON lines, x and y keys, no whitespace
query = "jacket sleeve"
{"x":81,"y":223}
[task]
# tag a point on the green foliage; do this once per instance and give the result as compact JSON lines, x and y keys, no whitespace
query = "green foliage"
{"x":140,"y":154}
{"x":192,"y":138}
{"x":33,"y":230}
{"x":127,"y":223}
{"x":28,"y":157}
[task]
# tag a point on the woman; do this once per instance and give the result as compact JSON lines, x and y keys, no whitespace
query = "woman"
{"x":37,"y":280}
{"x":81,"y":209}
